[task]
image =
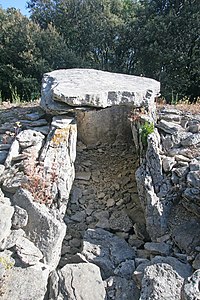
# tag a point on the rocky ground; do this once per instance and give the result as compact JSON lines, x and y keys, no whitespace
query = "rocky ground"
{"x":98,"y":218}
{"x":104,"y":195}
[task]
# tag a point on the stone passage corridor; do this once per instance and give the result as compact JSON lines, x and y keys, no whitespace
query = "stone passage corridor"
{"x":104,"y":195}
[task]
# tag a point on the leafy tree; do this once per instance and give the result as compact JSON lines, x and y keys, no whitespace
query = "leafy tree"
{"x":91,"y":28}
{"x":153,"y":38}
{"x":166,"y":35}
{"x":26,"y":52}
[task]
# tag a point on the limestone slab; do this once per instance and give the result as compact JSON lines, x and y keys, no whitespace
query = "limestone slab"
{"x":94,"y":88}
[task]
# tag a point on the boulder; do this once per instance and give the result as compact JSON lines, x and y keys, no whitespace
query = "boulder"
{"x":190,"y":290}
{"x":77,"y":282}
{"x":186,"y":234}
{"x":169,"y":127}
{"x":20,"y":218}
{"x":184,"y":270}
{"x":57,"y":158}
{"x":43,"y":228}
{"x":6,"y":213}
{"x":161,"y":282}
{"x":26,"y":283}
{"x":64,"y":90}
{"x":28,"y":254}
{"x":105,"y":250}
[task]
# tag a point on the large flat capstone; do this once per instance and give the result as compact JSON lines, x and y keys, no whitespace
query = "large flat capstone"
{"x":72,"y":89}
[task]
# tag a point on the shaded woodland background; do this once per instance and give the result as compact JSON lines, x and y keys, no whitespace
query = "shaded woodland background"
{"x":153,"y":38}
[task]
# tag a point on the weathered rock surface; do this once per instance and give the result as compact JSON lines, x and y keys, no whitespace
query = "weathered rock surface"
{"x":6,"y":213}
{"x":93,"y":88}
{"x":19,"y":218}
{"x":119,"y":288}
{"x":105,"y":250}
{"x":116,"y":126}
{"x":77,"y":282}
{"x":113,"y":236}
{"x":26,"y":283}
{"x":190,"y":289}
{"x":170,"y":172}
{"x":43,"y":228}
{"x":58,"y":157}
{"x":161,"y":282}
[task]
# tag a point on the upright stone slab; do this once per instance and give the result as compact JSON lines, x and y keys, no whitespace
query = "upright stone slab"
{"x":58,"y":157}
{"x":44,"y":229}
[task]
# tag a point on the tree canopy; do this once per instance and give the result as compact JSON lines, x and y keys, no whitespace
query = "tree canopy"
{"x":153,"y":38}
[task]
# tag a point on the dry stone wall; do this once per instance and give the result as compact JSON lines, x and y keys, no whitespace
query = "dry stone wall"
{"x":98,"y":230}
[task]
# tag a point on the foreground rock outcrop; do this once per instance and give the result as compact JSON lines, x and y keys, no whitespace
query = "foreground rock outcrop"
{"x":99,"y":217}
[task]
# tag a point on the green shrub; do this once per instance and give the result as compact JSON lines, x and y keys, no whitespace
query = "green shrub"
{"x":145,"y":130}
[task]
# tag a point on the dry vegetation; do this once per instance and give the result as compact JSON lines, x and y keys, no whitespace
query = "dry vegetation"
{"x":184,"y":106}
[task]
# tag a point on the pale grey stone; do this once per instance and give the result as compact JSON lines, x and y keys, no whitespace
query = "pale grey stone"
{"x":182,"y":158}
{"x":34,"y":115}
{"x":61,"y":121}
{"x":43,"y":228}
{"x":28,"y":253}
{"x":192,"y":139}
{"x":58,"y":156}
{"x":29,"y":137}
{"x":20,"y":218}
{"x":6,"y":212}
{"x":110,"y":202}
{"x":166,"y":110}
{"x":171,"y":117}
{"x":169,"y":127}
{"x":80,"y":281}
{"x":190,"y":290}
{"x":11,"y":240}
{"x":167,"y":142}
{"x":105,"y":250}
{"x":2,"y":168}
{"x":112,"y":129}
{"x":161,"y":282}
{"x":26,"y":283}
{"x":182,"y":269}
{"x":12,"y":180}
{"x":83,"y":175}
{"x":168,"y":163}
{"x":94,"y":88}
{"x":154,"y":161}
